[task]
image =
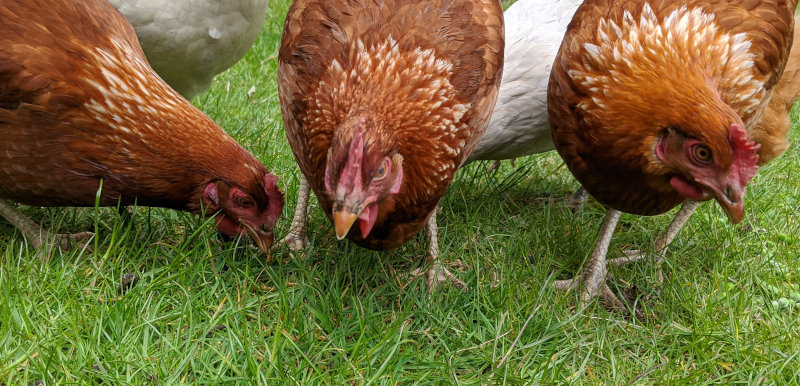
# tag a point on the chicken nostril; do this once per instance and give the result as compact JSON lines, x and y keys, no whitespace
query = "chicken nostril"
{"x":729,"y":193}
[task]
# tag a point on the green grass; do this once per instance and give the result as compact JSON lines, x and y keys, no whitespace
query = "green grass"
{"x":206,"y":311}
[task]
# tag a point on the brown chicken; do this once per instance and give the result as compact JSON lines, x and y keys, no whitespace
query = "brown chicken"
{"x":80,"y":108}
{"x":383,"y":102}
{"x":653,"y":103}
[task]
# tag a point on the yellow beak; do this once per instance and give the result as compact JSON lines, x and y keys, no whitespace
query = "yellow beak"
{"x":343,"y":220}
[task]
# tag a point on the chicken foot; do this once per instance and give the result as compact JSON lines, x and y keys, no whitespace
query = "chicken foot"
{"x":435,"y":273}
{"x":633,"y":255}
{"x":296,"y":239}
{"x":37,"y":235}
{"x":593,"y":279}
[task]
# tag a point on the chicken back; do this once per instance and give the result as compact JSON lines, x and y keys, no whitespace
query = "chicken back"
{"x":383,"y":102}
{"x":80,"y":107}
{"x":650,"y":102}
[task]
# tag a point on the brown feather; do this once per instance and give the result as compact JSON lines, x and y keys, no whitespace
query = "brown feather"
{"x":80,"y":104}
{"x":775,"y":123}
{"x":607,"y":138}
{"x":343,"y":60}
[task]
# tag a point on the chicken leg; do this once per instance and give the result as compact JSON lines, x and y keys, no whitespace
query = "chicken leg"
{"x":36,"y":235}
{"x":633,"y":255}
{"x":435,"y":273}
{"x":593,"y":280}
{"x":296,"y":239}
{"x":595,"y":270}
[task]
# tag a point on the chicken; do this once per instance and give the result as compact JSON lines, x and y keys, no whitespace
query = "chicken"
{"x":519,"y":126}
{"x":652,"y":104}
{"x":188,"y":42}
{"x":81,"y":111}
{"x":775,"y":122}
{"x":382,"y":103}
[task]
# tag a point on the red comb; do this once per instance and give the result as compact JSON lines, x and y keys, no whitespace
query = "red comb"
{"x":745,"y":153}
{"x":274,"y":194}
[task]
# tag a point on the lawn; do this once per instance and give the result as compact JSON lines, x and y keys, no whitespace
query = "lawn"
{"x":161,"y":300}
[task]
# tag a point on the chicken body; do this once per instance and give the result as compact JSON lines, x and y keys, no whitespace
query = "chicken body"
{"x":519,"y":124}
{"x":654,"y":103}
{"x":80,"y":108}
{"x":383,"y":102}
{"x":188,"y":42}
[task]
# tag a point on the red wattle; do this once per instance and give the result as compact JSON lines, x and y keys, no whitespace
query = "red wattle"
{"x":367,"y":219}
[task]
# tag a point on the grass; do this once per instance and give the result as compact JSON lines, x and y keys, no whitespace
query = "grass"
{"x":206,"y":311}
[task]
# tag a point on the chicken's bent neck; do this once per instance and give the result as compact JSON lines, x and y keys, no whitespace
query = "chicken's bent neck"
{"x":144,"y":121}
{"x":684,"y":47}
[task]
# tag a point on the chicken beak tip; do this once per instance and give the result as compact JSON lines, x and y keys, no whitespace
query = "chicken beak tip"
{"x":342,"y":221}
{"x":264,"y":240}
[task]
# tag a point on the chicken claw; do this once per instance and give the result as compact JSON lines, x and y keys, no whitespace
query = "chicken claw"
{"x":436,"y":274}
{"x":574,"y":201}
{"x":593,"y":280}
{"x":37,"y":235}
{"x":296,"y":239}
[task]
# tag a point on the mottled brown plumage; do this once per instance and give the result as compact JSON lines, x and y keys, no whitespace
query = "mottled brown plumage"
{"x":421,"y":76}
{"x":79,"y":104}
{"x":655,"y":103}
{"x":774,"y":124}
{"x":610,"y":151}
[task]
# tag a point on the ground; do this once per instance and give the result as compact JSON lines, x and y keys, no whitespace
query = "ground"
{"x":161,"y":300}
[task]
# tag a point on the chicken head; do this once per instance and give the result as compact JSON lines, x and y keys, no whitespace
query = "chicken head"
{"x":700,"y":175}
{"x":359,"y":181}
{"x":239,"y":212}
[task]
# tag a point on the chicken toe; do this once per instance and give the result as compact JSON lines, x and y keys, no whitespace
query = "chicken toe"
{"x":435,"y":273}
{"x":37,"y":235}
{"x":576,"y":200}
{"x":593,"y":280}
{"x":663,"y":242}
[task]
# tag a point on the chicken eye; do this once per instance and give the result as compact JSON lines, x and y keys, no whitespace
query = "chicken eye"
{"x":381,"y":173}
{"x":244,"y":202}
{"x":702,"y":153}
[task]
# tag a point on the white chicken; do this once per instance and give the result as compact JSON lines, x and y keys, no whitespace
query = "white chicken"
{"x":519,"y":125}
{"x":188,"y":42}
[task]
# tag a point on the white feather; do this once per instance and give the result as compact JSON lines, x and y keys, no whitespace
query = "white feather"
{"x":519,"y":125}
{"x":188,"y":42}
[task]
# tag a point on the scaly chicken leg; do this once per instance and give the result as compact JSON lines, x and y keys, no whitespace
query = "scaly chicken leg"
{"x":593,"y":280}
{"x":296,"y":239}
{"x":596,"y":269}
{"x":663,"y":242}
{"x":37,"y":235}
{"x":435,"y":274}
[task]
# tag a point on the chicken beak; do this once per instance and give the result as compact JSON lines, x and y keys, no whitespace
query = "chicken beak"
{"x":343,"y":220}
{"x":262,"y":238}
{"x":731,"y":199}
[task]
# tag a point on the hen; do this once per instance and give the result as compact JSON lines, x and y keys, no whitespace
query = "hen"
{"x":80,"y":109}
{"x":382,"y":103}
{"x":654,"y":103}
{"x":519,"y":124}
{"x":188,"y":42}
